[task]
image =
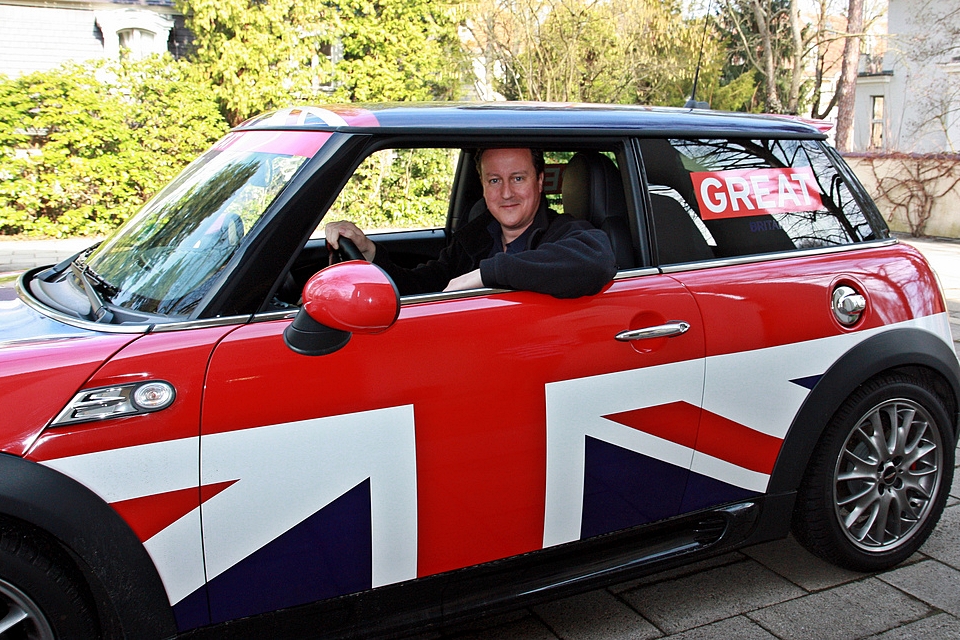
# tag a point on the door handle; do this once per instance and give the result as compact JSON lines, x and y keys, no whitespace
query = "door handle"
{"x":668,"y":330}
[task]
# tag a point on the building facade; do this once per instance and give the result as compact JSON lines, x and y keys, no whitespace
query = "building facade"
{"x":40,"y":35}
{"x":908,"y":89}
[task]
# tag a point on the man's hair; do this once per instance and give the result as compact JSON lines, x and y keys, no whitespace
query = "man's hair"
{"x":535,"y":154}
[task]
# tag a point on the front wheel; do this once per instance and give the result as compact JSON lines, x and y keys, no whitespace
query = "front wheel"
{"x":878,"y":479}
{"x":40,"y":599}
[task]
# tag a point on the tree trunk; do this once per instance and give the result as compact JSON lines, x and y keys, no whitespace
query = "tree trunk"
{"x":848,"y":76}
{"x":773,"y":104}
{"x":793,"y":100}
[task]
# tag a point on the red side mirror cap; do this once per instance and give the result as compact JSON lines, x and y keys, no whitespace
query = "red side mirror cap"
{"x":354,"y":296}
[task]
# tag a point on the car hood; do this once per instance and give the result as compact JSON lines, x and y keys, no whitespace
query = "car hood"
{"x":43,"y":363}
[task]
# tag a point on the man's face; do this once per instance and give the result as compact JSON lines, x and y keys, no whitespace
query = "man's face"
{"x":511,"y":187}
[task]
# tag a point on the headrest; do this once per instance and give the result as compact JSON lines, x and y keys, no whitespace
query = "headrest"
{"x":592,"y":189}
{"x":664,"y":166}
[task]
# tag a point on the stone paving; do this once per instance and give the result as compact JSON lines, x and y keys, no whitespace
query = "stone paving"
{"x":772,"y":591}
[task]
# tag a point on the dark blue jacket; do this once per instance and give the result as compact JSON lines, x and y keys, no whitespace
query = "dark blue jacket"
{"x":565,"y":258}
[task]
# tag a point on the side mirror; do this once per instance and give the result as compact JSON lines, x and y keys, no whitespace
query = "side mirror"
{"x":343,"y":299}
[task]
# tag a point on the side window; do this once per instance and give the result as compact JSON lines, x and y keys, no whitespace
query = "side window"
{"x":726,"y":198}
{"x":412,"y":189}
{"x":398,"y":189}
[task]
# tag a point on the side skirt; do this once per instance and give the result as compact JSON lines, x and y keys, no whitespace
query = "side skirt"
{"x":451,"y":599}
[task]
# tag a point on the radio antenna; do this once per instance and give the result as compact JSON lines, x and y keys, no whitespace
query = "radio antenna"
{"x":692,"y":102}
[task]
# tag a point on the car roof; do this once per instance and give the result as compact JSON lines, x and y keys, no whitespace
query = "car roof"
{"x":530,"y":118}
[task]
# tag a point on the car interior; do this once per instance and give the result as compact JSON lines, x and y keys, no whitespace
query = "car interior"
{"x":588,"y":183}
{"x":681,"y":236}
{"x":585,"y":183}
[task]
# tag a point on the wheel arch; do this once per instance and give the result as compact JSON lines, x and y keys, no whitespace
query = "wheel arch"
{"x":918,"y":353}
{"x":104,"y":549}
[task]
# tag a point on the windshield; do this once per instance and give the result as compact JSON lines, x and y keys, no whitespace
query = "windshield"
{"x":164,"y":260}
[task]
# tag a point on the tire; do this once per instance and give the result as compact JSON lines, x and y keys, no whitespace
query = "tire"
{"x":879,"y":477}
{"x":40,"y":598}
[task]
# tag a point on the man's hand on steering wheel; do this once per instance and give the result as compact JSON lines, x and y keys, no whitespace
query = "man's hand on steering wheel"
{"x":347,"y":242}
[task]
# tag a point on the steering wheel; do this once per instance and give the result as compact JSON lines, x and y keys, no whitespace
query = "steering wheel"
{"x":347,"y":251}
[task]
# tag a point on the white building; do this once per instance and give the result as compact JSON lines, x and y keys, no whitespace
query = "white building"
{"x":908,"y":96}
{"x":37,"y":35}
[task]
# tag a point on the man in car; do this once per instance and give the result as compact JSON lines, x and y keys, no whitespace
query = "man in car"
{"x":516,"y":243}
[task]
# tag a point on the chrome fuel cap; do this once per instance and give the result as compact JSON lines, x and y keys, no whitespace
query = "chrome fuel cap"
{"x":848,"y":305}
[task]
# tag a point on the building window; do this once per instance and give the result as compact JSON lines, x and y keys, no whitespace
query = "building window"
{"x":137,"y":33}
{"x":137,"y":43}
{"x":876,"y":123}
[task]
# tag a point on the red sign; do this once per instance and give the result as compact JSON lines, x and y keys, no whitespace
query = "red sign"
{"x":752,"y":192}
{"x":553,"y":178}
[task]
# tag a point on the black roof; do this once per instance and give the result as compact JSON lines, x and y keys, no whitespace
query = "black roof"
{"x":531,"y":118}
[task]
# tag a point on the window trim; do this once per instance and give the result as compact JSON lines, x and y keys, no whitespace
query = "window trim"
{"x":113,"y":21}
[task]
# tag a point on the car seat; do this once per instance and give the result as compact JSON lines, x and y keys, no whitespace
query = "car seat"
{"x":592,"y":191}
{"x":734,"y":236}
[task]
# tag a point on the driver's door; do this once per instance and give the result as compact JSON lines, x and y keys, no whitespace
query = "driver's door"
{"x":474,"y":429}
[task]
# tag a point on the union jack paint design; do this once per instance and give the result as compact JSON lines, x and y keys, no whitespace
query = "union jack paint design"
{"x":324,"y":507}
{"x":730,"y":455}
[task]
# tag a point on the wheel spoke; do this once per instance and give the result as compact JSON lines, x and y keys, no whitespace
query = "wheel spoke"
{"x":875,"y":439}
{"x":859,"y":469}
{"x":919,"y":434}
{"x":891,"y":433}
{"x":892,"y":507}
{"x":861,"y":499}
{"x":15,"y":615}
{"x":862,"y":503}
{"x":918,"y":452}
{"x":900,"y":429}
{"x":853,"y":520}
{"x":858,"y":475}
{"x":914,"y":482}
{"x":24,"y":619}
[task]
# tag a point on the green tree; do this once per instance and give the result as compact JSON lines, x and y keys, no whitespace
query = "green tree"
{"x":266,"y":54}
{"x":398,"y":189}
{"x":82,"y":147}
{"x":397,"y":50}
{"x":765,"y":37}
{"x":623,"y":51}
{"x":262,"y":54}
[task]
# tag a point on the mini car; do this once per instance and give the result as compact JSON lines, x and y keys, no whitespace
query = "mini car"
{"x":208,"y":427}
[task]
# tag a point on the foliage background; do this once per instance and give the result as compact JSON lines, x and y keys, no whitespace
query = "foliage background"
{"x":82,"y":147}
{"x":398,"y":189}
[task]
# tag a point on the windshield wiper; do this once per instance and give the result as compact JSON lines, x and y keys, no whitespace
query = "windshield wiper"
{"x":95,"y":287}
{"x":52,"y":273}
{"x":103,"y":287}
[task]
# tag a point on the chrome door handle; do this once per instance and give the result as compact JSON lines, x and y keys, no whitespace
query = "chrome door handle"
{"x":668,"y":330}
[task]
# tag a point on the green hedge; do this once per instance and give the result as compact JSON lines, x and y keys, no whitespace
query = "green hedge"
{"x":82,"y":147}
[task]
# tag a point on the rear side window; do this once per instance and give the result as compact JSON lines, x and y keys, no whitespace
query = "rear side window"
{"x":726,"y":198}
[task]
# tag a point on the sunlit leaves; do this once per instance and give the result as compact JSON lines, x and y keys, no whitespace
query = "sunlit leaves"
{"x":620,"y":51}
{"x":269,"y":54}
{"x":82,"y":147}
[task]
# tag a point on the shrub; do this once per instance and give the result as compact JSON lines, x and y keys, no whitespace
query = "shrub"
{"x":83,"y":146}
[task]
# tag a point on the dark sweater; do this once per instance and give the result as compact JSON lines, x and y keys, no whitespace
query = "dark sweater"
{"x":565,"y":258}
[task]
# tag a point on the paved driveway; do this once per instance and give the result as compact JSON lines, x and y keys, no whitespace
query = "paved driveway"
{"x":771,"y":591}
